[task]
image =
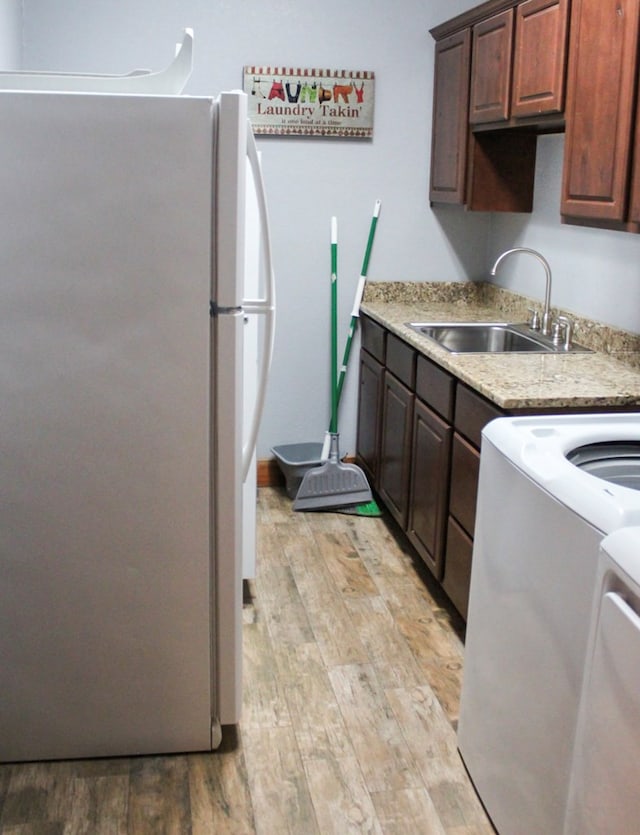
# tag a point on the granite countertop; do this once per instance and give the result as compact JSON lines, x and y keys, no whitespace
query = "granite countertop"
{"x":610,"y":376}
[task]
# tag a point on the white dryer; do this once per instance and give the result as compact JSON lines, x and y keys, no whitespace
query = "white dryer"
{"x":604,"y":798}
{"x":539,"y":523}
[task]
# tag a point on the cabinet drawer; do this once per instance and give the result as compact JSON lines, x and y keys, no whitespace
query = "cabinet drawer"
{"x":401,"y":361}
{"x":457,"y":567}
{"x":472,"y":413}
{"x":373,"y":338}
{"x":465,"y":468}
{"x":435,"y":387}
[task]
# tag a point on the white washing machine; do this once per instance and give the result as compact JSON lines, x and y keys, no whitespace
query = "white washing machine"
{"x":539,"y":523}
{"x":604,"y":798}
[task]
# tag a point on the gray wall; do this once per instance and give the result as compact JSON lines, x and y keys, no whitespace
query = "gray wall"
{"x":595,"y":273}
{"x":10,"y":32}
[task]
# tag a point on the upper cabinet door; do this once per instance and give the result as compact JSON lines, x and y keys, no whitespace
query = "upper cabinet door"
{"x":600,"y":108}
{"x":491,"y":69}
{"x":634,"y":200}
{"x":450,"y":110}
{"x":539,"y":58}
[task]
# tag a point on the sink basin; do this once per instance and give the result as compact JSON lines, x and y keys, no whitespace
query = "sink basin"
{"x":488,"y":337}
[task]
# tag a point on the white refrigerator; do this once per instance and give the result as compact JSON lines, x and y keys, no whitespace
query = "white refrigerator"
{"x":122,"y":457}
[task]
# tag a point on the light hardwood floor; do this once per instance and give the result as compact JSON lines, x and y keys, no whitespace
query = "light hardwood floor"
{"x":352,"y":676}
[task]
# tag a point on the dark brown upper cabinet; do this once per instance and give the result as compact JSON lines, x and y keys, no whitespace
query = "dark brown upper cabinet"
{"x":499,"y":80}
{"x":491,"y":69}
{"x":450,"y":110}
{"x":601,"y":85}
{"x":550,"y":65}
{"x":539,"y":59}
{"x":634,"y":211}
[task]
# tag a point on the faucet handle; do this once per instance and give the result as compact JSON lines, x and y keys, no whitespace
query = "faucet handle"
{"x":534,"y":321}
{"x":563,"y":322}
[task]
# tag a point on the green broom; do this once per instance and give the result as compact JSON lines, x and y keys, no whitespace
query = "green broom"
{"x":368,"y":508}
{"x":333,"y":484}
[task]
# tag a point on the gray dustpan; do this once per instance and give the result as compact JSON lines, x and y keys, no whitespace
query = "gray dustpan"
{"x":333,"y":484}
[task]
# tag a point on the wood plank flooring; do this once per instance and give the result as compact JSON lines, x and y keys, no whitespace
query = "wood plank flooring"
{"x":353,"y":664}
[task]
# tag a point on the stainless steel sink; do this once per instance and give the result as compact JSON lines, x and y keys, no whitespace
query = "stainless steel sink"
{"x":489,"y":337}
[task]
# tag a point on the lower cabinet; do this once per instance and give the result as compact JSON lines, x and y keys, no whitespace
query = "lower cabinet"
{"x":372,"y":369}
{"x":465,"y":470}
{"x":395,"y":447}
{"x":418,"y":442}
{"x":419,"y":436}
{"x":370,"y":414}
{"x":429,"y":488}
{"x":457,"y":575}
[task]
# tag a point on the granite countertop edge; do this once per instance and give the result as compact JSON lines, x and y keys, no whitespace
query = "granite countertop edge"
{"x":609,"y":376}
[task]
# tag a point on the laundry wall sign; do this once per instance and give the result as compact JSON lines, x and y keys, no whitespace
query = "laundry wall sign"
{"x":310,"y":102}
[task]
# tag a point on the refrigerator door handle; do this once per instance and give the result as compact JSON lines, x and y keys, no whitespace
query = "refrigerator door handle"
{"x":264,"y":306}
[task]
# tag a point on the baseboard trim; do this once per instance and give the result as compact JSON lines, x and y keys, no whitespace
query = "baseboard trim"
{"x":269,"y":473}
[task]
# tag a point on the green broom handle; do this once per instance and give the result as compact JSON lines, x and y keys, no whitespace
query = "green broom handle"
{"x":334,"y":325}
{"x":372,"y":232}
{"x":355,"y":313}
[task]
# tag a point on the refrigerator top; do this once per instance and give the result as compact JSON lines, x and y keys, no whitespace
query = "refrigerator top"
{"x":170,"y":81}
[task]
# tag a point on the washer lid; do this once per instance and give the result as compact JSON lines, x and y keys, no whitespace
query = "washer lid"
{"x":615,"y":461}
{"x":538,"y":445}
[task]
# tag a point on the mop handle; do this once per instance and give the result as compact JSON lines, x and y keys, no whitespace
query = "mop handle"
{"x":334,"y":325}
{"x":355,"y":313}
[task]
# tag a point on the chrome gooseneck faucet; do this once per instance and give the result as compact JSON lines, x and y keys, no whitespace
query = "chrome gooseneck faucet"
{"x":546,"y":314}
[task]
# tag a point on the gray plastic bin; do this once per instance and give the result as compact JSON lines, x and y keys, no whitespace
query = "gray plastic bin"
{"x":295,"y":460}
